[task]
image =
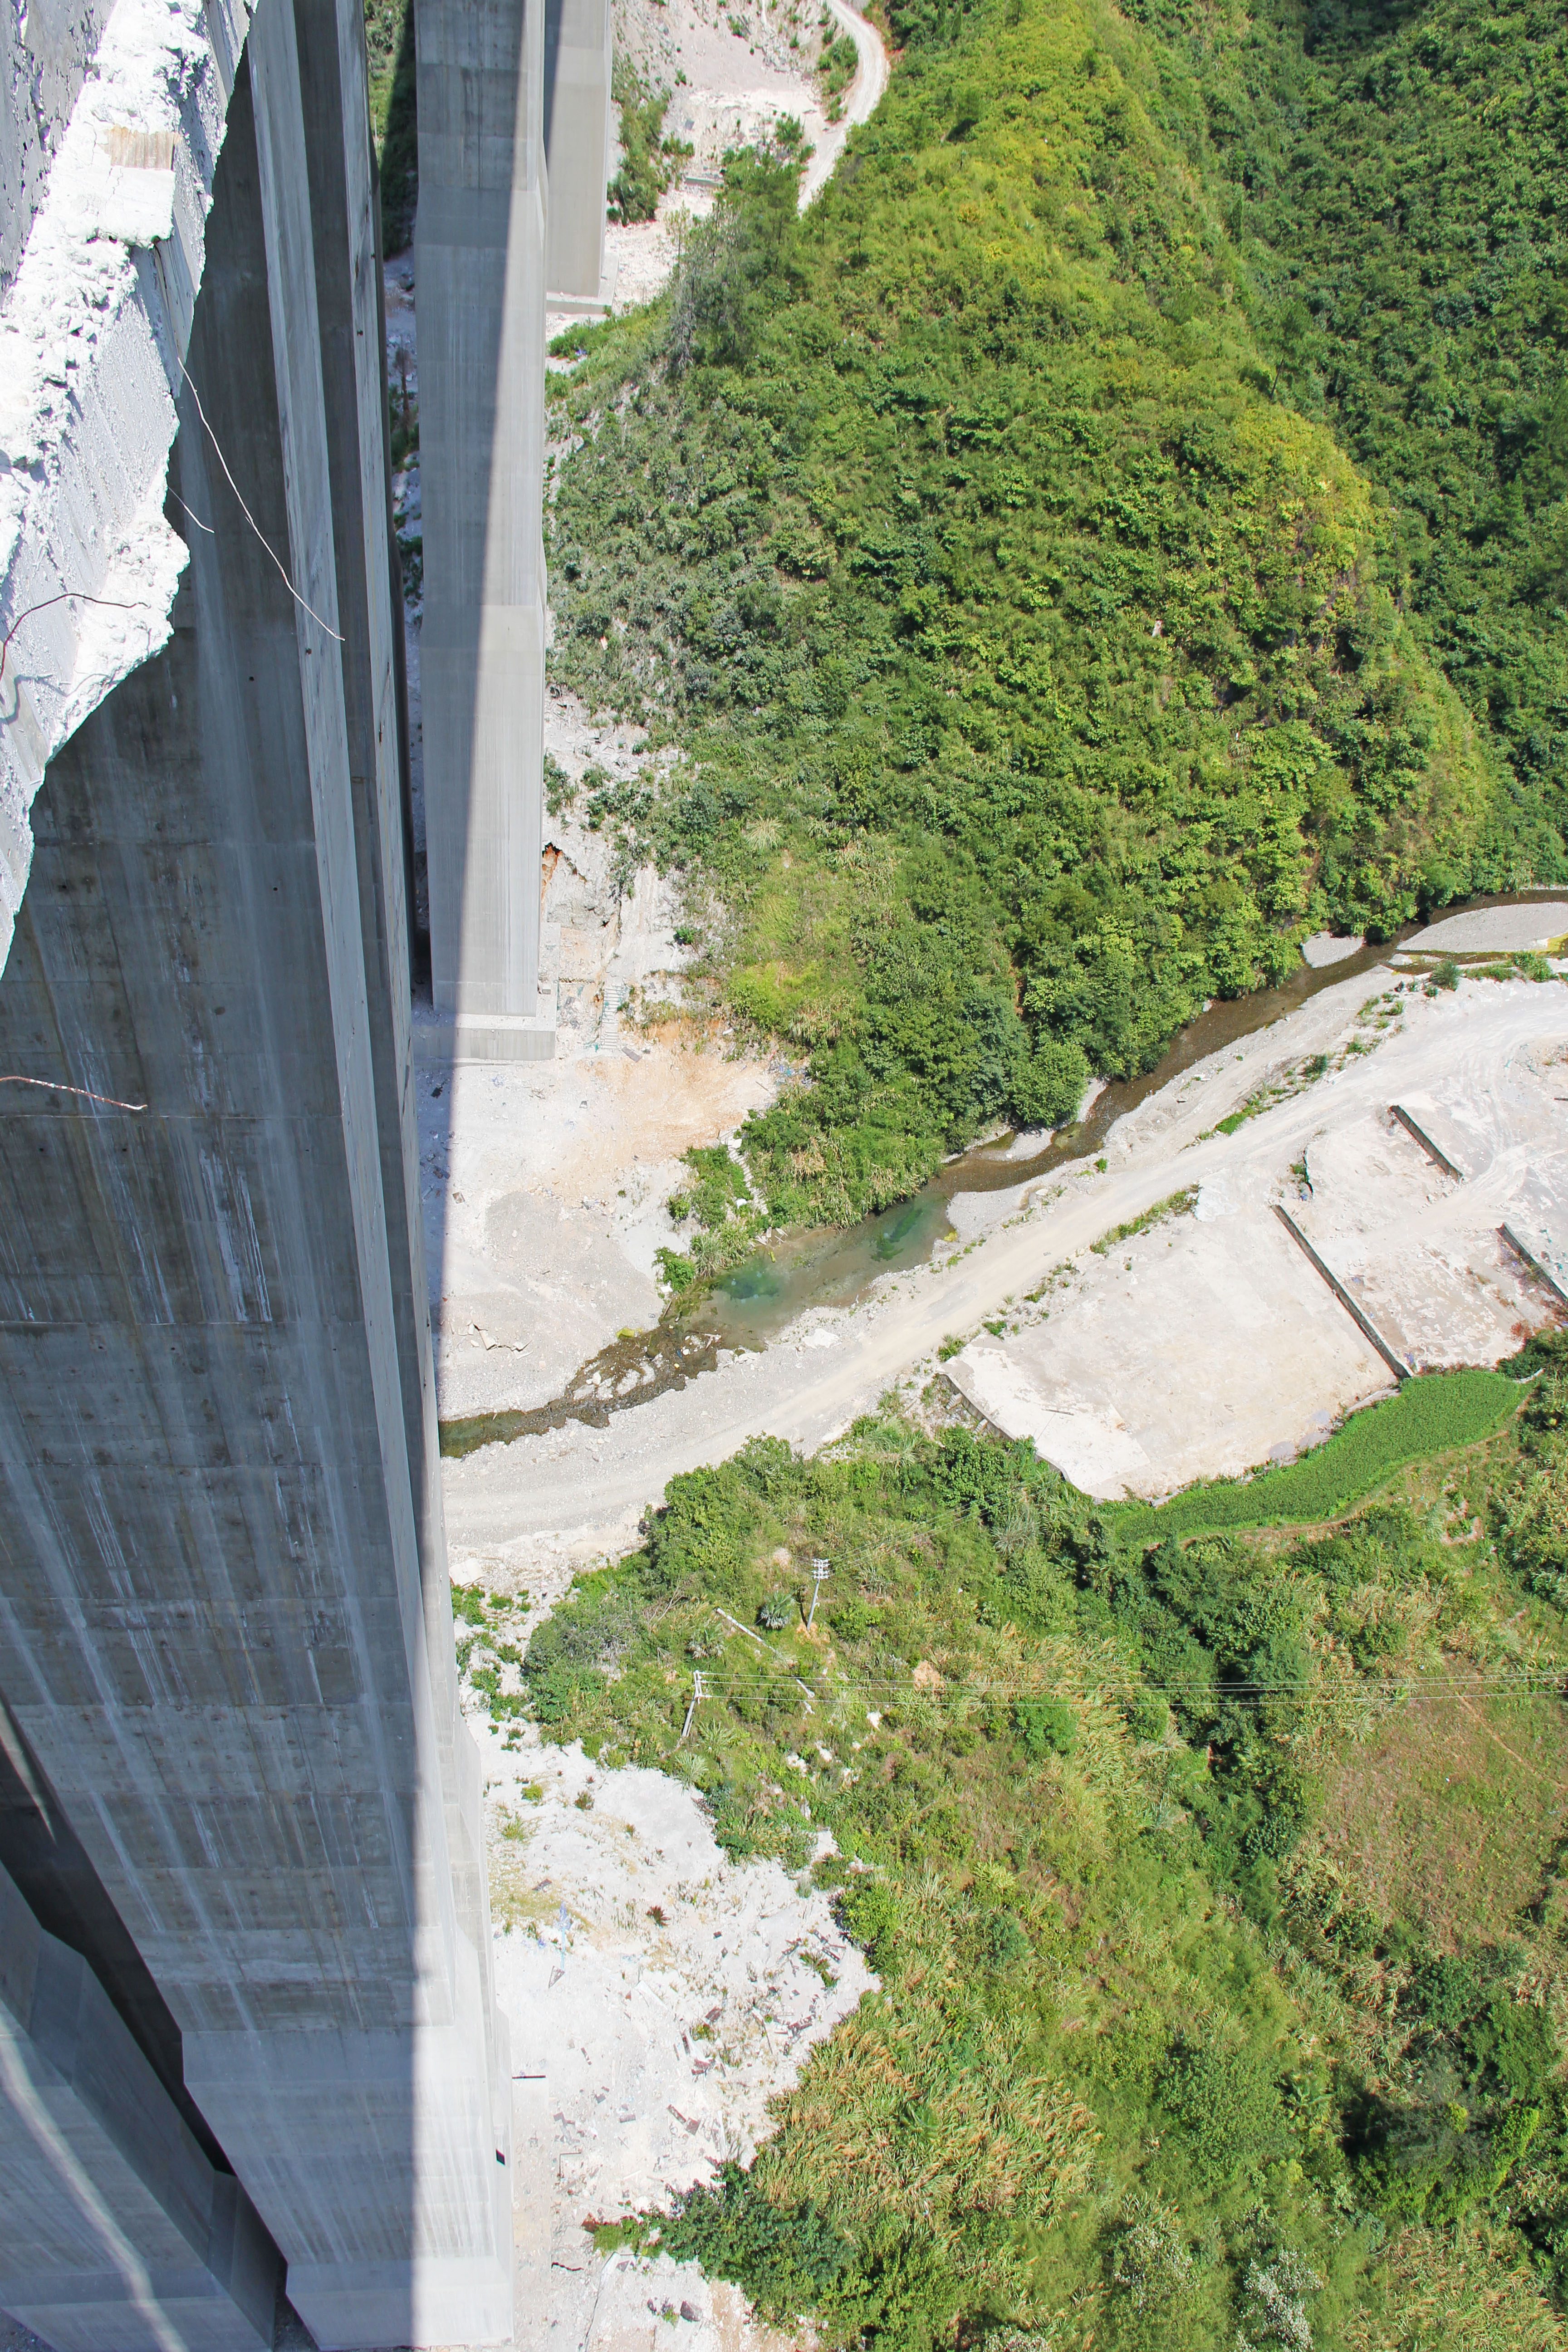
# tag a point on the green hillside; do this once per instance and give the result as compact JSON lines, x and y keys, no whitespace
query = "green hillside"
{"x":1406,"y":173}
{"x":1039,"y":665}
{"x":1216,"y":1892}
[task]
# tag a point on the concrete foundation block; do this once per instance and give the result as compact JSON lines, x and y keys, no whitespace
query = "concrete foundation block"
{"x":453,"y":1038}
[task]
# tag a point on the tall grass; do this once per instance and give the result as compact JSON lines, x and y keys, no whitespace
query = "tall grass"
{"x":1430,"y":1416}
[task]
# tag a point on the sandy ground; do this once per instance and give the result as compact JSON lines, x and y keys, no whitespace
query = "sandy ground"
{"x":1180,"y":1353}
{"x":543,"y":1184}
{"x":1488,"y":1052}
{"x":543,"y":1187}
{"x":735,"y":87}
{"x":1325,"y":947}
{"x":1495,"y":927}
{"x":1210,"y":1344}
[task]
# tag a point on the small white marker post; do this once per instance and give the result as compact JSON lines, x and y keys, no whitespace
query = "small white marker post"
{"x":697,"y":1692}
{"x":820,"y":1570}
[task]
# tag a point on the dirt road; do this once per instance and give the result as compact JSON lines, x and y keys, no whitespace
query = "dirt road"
{"x":862,"y":98}
{"x":586,"y":1487}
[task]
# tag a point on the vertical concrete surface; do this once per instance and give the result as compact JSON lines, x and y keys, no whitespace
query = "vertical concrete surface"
{"x":225,"y":1631}
{"x":117,"y":2234}
{"x":349,"y":295}
{"x":479,"y":250}
{"x":52,"y":1872}
{"x":44,"y":56}
{"x":579,"y":142}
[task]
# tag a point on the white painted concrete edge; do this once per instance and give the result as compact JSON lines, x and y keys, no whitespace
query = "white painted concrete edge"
{"x":92,"y":336}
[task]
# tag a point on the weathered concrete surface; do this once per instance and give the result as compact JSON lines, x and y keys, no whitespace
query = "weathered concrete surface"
{"x":44,"y":56}
{"x":579,"y":141}
{"x":117,"y":2234}
{"x":480,"y":273}
{"x":225,"y":1630}
{"x":107,"y":177}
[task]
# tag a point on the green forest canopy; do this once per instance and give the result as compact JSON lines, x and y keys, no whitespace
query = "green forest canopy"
{"x":1119,"y":528}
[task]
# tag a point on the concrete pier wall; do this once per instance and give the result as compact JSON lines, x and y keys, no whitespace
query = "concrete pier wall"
{"x":224,"y":1628}
{"x":44,"y":56}
{"x":117,"y":2233}
{"x":579,"y":142}
{"x":480,"y":248}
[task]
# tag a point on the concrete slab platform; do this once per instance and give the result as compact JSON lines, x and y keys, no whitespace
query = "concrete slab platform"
{"x":1209,"y":1345}
{"x":1201,"y":1348}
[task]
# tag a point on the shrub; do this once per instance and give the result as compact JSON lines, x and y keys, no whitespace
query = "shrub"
{"x":1045,"y":1727}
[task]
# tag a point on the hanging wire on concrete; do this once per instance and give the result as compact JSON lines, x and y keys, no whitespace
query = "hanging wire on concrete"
{"x":56,"y":1087}
{"x":66,"y":596}
{"x":192,"y":518}
{"x":249,"y":517}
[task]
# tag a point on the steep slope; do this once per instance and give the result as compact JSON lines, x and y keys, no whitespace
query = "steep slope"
{"x":1041,"y":672}
{"x":1219,"y":2007}
{"x":1405,"y":175}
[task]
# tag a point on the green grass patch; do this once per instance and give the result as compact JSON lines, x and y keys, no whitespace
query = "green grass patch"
{"x":1433,"y":1414}
{"x":1158,"y":2058}
{"x":1175,"y":1205}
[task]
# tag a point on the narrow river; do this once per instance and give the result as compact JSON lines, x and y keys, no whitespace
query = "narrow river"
{"x":832,"y":1266}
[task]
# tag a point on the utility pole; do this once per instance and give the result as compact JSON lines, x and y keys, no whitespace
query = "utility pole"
{"x":820,"y":1570}
{"x":697,"y":1692}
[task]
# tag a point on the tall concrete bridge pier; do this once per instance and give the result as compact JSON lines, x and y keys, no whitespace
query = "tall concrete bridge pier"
{"x":515,"y":149}
{"x":248,"y":2044}
{"x":479,"y":250}
{"x":579,"y":144}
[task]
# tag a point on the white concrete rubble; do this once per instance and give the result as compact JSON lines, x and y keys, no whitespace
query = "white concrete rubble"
{"x":92,"y":338}
{"x":650,"y":2045}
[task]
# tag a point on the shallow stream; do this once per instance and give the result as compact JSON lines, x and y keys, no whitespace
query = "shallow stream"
{"x":832,"y":1266}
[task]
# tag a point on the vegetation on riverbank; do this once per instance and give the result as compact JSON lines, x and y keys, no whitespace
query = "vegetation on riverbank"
{"x":1041,"y":660}
{"x":1214,"y":1890}
{"x":649,"y":159}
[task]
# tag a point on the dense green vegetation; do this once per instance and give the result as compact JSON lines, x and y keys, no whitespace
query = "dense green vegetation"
{"x":1429,"y":1416}
{"x":1159,"y":2057}
{"x":1051,"y":632}
{"x":1399,"y":180}
{"x":649,"y":160}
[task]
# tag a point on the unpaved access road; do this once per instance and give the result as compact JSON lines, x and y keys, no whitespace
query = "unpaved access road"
{"x":728,"y":90}
{"x":860,"y":103}
{"x":586,"y":1487}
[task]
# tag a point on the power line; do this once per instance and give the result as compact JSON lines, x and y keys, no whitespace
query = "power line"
{"x":1416,"y":1686}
